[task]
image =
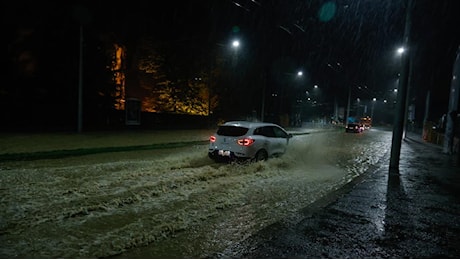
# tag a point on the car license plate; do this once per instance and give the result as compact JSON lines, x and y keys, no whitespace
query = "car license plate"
{"x":224,"y":153}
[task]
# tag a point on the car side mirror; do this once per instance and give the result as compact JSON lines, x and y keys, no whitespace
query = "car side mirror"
{"x":290,"y":136}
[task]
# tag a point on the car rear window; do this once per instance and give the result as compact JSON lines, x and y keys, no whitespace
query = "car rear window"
{"x":229,"y":130}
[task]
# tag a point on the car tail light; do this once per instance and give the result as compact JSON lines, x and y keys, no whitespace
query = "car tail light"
{"x":246,"y":141}
{"x":212,"y":139}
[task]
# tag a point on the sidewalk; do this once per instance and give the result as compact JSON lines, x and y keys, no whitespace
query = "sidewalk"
{"x":413,"y":215}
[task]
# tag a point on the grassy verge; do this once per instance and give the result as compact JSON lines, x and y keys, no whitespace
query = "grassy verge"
{"x":86,"y":151}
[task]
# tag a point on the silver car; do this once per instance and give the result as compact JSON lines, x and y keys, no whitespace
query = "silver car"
{"x":243,"y":140}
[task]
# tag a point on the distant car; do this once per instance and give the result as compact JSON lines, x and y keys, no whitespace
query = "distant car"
{"x":354,"y":128}
{"x":244,"y":140}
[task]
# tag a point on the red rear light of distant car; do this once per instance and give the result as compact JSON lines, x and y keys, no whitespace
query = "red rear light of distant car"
{"x":212,"y":139}
{"x":245,"y":141}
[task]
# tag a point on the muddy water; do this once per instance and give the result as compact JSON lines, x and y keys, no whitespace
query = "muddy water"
{"x":170,"y":203}
{"x":313,"y":166}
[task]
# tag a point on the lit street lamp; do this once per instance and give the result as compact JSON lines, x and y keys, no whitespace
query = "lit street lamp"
{"x":401,"y":106}
{"x":372,"y":108}
{"x":236,"y":44}
{"x":235,"y":47}
{"x":349,"y":101}
{"x":291,"y":77}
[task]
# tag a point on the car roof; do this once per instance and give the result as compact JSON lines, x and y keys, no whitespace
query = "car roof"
{"x":248,"y":124}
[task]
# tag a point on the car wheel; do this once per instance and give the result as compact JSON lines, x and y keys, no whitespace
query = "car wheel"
{"x":261,"y":156}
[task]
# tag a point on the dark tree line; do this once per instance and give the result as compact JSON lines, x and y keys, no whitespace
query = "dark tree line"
{"x":176,"y":57}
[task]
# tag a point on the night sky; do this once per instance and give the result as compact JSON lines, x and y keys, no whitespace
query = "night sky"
{"x":335,"y":43}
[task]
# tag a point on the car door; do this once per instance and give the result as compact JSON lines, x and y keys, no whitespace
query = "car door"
{"x":266,"y":138}
{"x":279,"y":141}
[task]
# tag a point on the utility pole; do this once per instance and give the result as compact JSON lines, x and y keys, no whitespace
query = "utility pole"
{"x":80,"y":83}
{"x":264,"y":85}
{"x":82,"y":15}
{"x":425,"y":118}
{"x":348,"y":106}
{"x":336,"y":110}
{"x":401,"y":106}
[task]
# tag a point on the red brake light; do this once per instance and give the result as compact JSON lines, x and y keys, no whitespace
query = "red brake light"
{"x":245,"y":141}
{"x":212,"y":139}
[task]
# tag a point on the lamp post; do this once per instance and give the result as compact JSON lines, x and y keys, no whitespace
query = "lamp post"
{"x":309,"y":109}
{"x":372,"y":108}
{"x":80,"y":83}
{"x":361,"y":88}
{"x":283,"y":95}
{"x":82,"y":15}
{"x":262,"y":109}
{"x":348,"y":106}
{"x":398,"y":126}
{"x":235,"y":47}
{"x":453,"y":107}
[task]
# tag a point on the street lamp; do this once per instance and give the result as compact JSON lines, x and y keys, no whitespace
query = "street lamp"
{"x":349,"y":103}
{"x":236,"y":44}
{"x":235,"y":47}
{"x":313,"y":92}
{"x":284,"y":96}
{"x":372,"y":108}
{"x":400,"y":115}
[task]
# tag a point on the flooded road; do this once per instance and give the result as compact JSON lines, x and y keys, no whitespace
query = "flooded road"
{"x":171,"y":203}
{"x":314,"y":166}
{"x":380,"y":215}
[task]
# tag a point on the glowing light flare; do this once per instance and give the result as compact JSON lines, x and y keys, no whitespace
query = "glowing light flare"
{"x":236,"y":44}
{"x":327,"y":11}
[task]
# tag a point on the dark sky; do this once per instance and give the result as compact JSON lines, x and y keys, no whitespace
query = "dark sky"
{"x":360,"y":35}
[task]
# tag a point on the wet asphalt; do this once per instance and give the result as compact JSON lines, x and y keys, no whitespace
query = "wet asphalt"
{"x":413,"y":214}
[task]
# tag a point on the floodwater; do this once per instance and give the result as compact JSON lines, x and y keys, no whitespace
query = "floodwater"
{"x":171,"y":203}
